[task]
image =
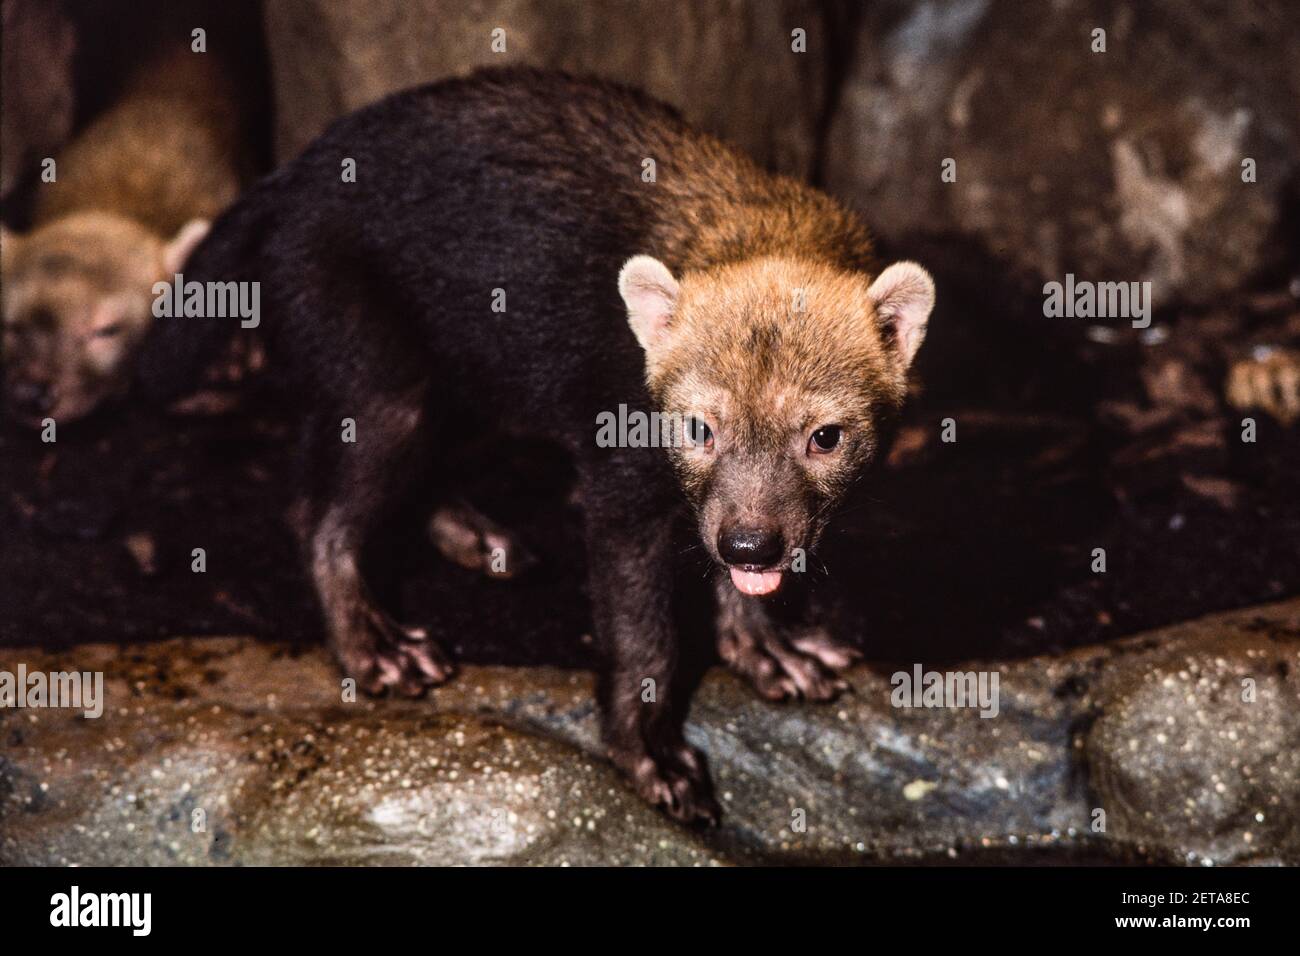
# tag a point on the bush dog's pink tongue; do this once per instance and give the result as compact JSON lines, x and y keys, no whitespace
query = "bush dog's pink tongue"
{"x":756,"y":582}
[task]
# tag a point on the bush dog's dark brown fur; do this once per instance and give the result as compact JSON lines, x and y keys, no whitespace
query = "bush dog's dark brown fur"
{"x":747,"y":303}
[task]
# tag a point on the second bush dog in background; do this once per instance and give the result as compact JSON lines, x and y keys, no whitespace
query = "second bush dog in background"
{"x":131,"y":197}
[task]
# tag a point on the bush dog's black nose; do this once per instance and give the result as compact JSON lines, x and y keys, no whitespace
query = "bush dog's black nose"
{"x":751,"y":547}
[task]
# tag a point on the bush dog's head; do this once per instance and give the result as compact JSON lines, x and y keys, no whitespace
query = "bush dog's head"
{"x":787,"y":376}
{"x":77,"y":297}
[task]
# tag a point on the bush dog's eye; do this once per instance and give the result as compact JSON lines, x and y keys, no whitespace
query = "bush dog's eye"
{"x":41,"y":319}
{"x":824,"y":440}
{"x":698,"y":433}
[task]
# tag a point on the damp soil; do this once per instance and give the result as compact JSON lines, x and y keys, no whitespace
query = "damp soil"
{"x":980,"y":547}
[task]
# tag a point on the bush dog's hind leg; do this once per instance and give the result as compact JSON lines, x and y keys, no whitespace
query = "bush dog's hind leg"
{"x":355,"y":482}
{"x":468,"y":537}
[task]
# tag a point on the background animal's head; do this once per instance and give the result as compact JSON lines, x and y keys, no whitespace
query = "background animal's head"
{"x":76,"y":299}
{"x":787,"y":376}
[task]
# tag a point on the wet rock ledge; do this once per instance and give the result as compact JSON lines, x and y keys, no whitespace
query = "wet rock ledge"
{"x":231,"y":751}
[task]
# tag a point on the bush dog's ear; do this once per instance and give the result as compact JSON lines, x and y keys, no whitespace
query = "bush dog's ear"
{"x":903,"y":296}
{"x":182,"y":244}
{"x":650,"y":292}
